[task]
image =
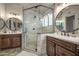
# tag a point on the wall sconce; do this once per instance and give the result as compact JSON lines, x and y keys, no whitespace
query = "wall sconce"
{"x":11,"y":14}
{"x":15,"y":15}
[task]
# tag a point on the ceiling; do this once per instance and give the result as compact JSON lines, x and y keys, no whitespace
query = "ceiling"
{"x":42,"y":9}
{"x":28,"y":5}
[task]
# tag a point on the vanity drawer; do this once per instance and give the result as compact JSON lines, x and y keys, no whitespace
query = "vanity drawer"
{"x":63,"y":52}
{"x":51,"y":39}
{"x":49,"y":42}
{"x":15,"y":35}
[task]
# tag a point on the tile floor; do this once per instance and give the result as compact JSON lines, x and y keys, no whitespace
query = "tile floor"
{"x":10,"y":52}
{"x":25,"y":53}
{"x":19,"y":52}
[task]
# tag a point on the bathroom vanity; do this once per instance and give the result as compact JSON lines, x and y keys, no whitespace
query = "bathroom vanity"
{"x":67,"y":42}
{"x":63,"y":46}
{"x":10,"y":33}
{"x":10,"y":41}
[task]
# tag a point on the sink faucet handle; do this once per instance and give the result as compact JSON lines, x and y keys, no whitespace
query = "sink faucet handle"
{"x":67,"y":34}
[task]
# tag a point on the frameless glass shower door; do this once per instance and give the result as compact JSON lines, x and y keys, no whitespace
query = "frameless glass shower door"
{"x":31,"y":28}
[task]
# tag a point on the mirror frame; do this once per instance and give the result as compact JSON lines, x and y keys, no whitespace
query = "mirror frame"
{"x":3,"y":23}
{"x":9,"y":19}
{"x":60,"y":13}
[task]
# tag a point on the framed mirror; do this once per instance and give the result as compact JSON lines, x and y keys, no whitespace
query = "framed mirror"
{"x":2,"y":23}
{"x":68,"y":19}
{"x":14,"y":24}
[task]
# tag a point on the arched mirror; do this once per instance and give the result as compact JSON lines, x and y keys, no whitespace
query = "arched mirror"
{"x":14,"y":24}
{"x":2,"y":23}
{"x":68,"y":19}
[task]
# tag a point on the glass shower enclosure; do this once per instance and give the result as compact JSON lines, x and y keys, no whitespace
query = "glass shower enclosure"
{"x":32,"y":25}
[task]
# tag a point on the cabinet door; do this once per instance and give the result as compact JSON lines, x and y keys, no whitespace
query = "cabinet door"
{"x":5,"y":43}
{"x":60,"y":51}
{"x":50,"y":48}
{"x":0,"y":43}
{"x":16,"y":42}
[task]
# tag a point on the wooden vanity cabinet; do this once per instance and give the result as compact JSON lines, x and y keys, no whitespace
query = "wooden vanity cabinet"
{"x":5,"y":42}
{"x":16,"y":42}
{"x":50,"y":48}
{"x":58,"y":47}
{"x":0,"y":43}
{"x":10,"y":41}
{"x":60,"y":51}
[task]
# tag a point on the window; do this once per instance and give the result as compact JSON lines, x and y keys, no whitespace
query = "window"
{"x":47,"y":20}
{"x":42,"y":22}
{"x":50,"y":19}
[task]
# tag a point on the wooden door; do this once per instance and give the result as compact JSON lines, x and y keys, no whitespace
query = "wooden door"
{"x":69,"y":23}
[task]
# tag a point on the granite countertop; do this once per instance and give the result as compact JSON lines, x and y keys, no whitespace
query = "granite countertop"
{"x":10,"y":33}
{"x":74,"y":40}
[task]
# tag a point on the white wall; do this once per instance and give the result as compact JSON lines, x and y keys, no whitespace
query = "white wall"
{"x":6,"y":9}
{"x":2,"y":10}
{"x":2,"y":14}
{"x":59,"y":7}
{"x":14,"y":8}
